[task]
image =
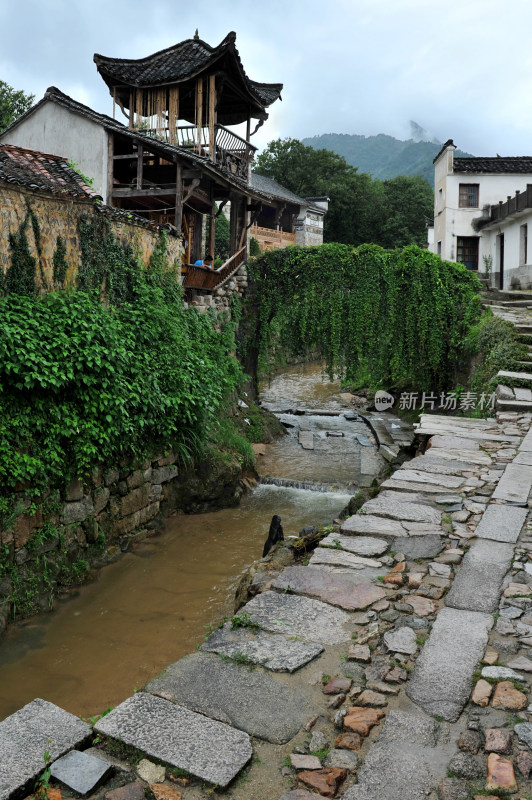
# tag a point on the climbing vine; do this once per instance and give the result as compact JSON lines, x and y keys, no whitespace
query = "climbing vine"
{"x":380,"y":318}
{"x":20,"y":276}
{"x":59,"y":261}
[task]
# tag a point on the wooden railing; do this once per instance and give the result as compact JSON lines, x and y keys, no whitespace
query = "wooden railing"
{"x":229,"y":151}
{"x":196,"y":277}
{"x":270,"y":239}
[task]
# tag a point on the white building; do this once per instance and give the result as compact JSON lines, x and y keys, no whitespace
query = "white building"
{"x":481,"y":214}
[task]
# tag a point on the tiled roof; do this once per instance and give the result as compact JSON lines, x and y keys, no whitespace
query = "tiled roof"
{"x":41,"y":171}
{"x":178,"y":63}
{"x":498,"y":164}
{"x":271,"y":189}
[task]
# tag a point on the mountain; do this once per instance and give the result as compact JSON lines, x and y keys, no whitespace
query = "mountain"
{"x":382,"y":156}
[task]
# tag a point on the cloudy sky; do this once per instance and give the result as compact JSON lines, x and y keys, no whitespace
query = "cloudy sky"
{"x":461,"y":69}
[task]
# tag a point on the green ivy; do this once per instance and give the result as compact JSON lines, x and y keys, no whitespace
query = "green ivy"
{"x":59,"y":261}
{"x":20,"y":276}
{"x":380,"y":318}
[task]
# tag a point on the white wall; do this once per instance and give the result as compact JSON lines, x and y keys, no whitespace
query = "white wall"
{"x":516,"y":275}
{"x":450,"y":221}
{"x":55,"y":130}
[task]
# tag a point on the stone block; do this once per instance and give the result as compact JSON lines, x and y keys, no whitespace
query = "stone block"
{"x":80,"y":772}
{"x":74,"y":490}
{"x":135,"y":479}
{"x":134,"y":521}
{"x":205,"y":747}
{"x":111,"y":477}
{"x":253,"y":702}
{"x":101,"y":498}
{"x":77,"y":512}
{"x":273,"y":652}
{"x":27,"y":734}
{"x":166,"y":461}
{"x":135,"y":500}
{"x":163,"y":474}
{"x":24,"y":526}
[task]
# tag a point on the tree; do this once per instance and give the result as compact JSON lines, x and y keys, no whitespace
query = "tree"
{"x":13,"y":103}
{"x":352,"y":214}
{"x":390,"y":213}
{"x":408,"y":206}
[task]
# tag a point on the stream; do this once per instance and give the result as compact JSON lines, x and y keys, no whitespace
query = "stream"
{"x":154,"y":605}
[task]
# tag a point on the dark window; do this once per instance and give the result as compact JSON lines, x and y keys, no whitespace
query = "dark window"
{"x":468,"y":195}
{"x":467,"y":251}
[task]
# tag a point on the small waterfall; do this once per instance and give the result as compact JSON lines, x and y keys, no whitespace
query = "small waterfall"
{"x":308,"y":485}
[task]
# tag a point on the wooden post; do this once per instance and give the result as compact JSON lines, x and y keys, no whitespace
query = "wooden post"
{"x":114,"y":102}
{"x":212,"y":226}
{"x":199,"y":111}
{"x":131,"y":109}
{"x":212,"y":105}
{"x":140,"y":158}
{"x":178,"y":198}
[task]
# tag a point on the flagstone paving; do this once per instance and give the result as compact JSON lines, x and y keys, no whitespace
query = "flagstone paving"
{"x":502,"y":523}
{"x":350,"y":592}
{"x":479,"y":581}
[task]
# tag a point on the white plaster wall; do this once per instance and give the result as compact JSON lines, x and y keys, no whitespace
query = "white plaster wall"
{"x":55,"y":130}
{"x":514,"y":272}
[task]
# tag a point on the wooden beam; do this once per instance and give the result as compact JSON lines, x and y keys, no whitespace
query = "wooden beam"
{"x":179,"y":198}
{"x":190,"y":191}
{"x":167,"y":191}
{"x":140,"y":159}
{"x":131,"y":157}
{"x":212,"y":226}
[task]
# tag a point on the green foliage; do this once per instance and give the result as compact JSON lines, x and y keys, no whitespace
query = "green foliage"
{"x":379,"y":318}
{"x":85,"y":384}
{"x":243,"y":620}
{"x":361,"y":209}
{"x":383,"y":156}
{"x":254,"y":247}
{"x":495,"y":345}
{"x":20,"y":276}
{"x":76,"y":168}
{"x":13,"y":103}
{"x":59,"y":261}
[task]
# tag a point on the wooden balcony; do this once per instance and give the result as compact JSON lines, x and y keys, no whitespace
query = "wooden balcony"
{"x":270,"y":239}
{"x":227,"y":150}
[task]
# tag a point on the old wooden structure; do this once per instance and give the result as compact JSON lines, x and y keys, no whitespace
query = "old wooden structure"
{"x":185,"y":98}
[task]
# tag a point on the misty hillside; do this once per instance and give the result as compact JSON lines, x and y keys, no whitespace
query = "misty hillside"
{"x":382,"y":156}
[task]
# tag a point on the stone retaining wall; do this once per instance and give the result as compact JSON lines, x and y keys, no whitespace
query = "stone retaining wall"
{"x":50,"y":545}
{"x":59,"y":216}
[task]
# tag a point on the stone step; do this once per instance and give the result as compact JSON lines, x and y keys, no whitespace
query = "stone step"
{"x":522,"y":377}
{"x":406,"y":761}
{"x":450,"y":432}
{"x":207,"y":748}
{"x":525,"y":338}
{"x":477,"y":586}
{"x":442,"y":679}
{"x":292,"y":615}
{"x":351,"y":592}
{"x":513,"y":487}
{"x":514,"y":405}
{"x":523,"y":327}
{"x":502,"y":523}
{"x":252,"y":701}
{"x":25,"y":736}
{"x":257,"y":647}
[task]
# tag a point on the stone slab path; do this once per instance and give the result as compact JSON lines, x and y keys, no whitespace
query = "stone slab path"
{"x":477,"y":586}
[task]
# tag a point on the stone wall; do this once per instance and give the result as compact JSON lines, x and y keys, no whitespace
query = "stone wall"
{"x":49,"y":545}
{"x":59,"y":216}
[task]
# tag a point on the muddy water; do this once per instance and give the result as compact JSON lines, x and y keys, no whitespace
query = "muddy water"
{"x":151,"y":607}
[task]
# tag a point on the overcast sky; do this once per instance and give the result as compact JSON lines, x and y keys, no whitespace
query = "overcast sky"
{"x":462,"y":69}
